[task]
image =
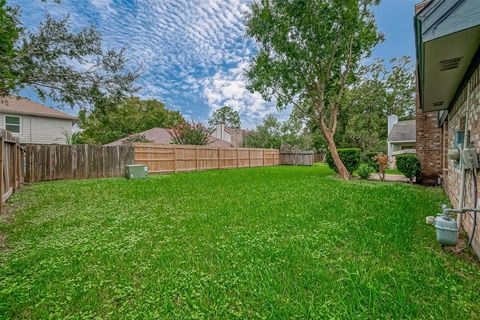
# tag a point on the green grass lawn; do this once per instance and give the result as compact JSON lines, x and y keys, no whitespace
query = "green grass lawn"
{"x":276,"y":243}
{"x":393,"y":171}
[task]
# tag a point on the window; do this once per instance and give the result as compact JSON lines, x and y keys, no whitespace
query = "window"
{"x":12,"y":124}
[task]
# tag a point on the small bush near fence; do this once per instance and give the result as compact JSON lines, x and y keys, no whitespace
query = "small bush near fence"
{"x":349,"y":156}
{"x":409,"y":165}
{"x":364,"y":170}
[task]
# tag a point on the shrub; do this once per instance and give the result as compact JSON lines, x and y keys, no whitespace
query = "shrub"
{"x":370,"y":159}
{"x":364,"y":170}
{"x":349,"y":156}
{"x":382,"y":164}
{"x":409,"y":165}
{"x":190,"y":133}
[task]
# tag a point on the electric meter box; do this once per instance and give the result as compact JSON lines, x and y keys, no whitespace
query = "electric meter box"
{"x":458,"y":139}
{"x":136,"y":171}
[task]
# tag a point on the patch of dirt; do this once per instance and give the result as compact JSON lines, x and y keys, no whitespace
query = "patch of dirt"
{"x":467,"y":254}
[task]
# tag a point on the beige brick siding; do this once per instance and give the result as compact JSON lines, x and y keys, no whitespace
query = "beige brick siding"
{"x":452,"y":175}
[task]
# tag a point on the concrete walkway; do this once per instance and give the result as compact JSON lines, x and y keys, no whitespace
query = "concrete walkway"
{"x":390,"y":177}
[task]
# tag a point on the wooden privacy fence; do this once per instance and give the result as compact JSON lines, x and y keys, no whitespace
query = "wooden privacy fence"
{"x":297,"y":157}
{"x":174,"y":158}
{"x":53,"y":162}
{"x":11,"y":164}
{"x":319,"y":157}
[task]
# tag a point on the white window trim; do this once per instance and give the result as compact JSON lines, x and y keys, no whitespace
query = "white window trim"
{"x":19,"y":122}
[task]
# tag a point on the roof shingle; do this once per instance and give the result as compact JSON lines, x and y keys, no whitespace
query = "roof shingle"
{"x":162,"y":136}
{"x":19,"y":105}
{"x":403,"y":131}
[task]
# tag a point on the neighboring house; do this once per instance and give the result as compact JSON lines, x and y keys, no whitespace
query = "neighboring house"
{"x":163,"y":136}
{"x":32,"y":122}
{"x":448,"y":97}
{"x":231,"y":135}
{"x":401,"y":138}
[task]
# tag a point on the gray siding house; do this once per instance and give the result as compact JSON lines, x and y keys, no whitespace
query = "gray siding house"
{"x":401,"y":138}
{"x":32,"y":122}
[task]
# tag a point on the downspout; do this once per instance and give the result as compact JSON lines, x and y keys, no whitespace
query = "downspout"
{"x":461,"y":200}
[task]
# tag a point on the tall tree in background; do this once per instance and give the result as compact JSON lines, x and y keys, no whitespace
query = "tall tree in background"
{"x":9,"y":34}
{"x":227,"y":116}
{"x":308,"y":51}
{"x":109,"y":123}
{"x":379,"y":92}
{"x":70,"y":68}
{"x":275,"y":134}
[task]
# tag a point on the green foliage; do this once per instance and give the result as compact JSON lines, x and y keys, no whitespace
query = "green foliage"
{"x":227,"y":116}
{"x":228,"y":244}
{"x":409,"y":165}
{"x":108,"y":123}
{"x":364,"y":170}
{"x":274,"y":134}
{"x":190,"y":133}
{"x":349,"y":156}
{"x":9,"y":34}
{"x":378,"y":92}
{"x":72,"y":137}
{"x":308,"y":52}
{"x":370,"y":159}
{"x":69,"y":67}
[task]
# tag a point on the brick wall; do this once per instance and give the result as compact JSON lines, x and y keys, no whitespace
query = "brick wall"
{"x":429,"y":145}
{"x":453,"y":175}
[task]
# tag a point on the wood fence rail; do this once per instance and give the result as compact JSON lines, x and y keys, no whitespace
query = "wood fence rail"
{"x":297,"y":158}
{"x":53,"y":162}
{"x":175,"y":158}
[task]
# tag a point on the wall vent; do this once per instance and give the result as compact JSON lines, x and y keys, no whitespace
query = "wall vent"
{"x":438,"y":103}
{"x":450,"y":64}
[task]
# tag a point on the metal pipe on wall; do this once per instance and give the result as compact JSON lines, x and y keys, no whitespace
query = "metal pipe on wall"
{"x":461,"y":200}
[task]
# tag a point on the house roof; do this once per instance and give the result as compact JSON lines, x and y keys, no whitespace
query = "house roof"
{"x":403,"y":131}
{"x":163,"y":136}
{"x":447,"y":48}
{"x":19,"y":105}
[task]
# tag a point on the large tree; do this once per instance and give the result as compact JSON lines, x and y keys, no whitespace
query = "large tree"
{"x":272,"y":133}
{"x":107,"y":123}
{"x":227,"y":116}
{"x":70,"y":68}
{"x":9,"y":34}
{"x":379,"y":92}
{"x":307,"y":54}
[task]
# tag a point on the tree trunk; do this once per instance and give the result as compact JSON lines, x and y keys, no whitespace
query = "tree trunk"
{"x":342,"y":170}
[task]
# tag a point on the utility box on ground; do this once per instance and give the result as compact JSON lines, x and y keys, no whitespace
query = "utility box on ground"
{"x":136,"y":171}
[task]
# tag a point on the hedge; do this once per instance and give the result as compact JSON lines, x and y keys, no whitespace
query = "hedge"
{"x":369,"y":158}
{"x":349,"y":156}
{"x":409,"y":165}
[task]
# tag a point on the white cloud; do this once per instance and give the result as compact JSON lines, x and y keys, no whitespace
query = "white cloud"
{"x":229,"y":88}
{"x":185,"y":48}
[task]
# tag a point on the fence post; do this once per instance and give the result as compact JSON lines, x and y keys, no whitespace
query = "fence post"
{"x":1,"y":173}
{"x":238,"y":160}
{"x":175,"y":159}
{"x":219,"y":160}
{"x":14,"y":166}
{"x":249,"y":158}
{"x":196,"y":158}
{"x":263,"y":157}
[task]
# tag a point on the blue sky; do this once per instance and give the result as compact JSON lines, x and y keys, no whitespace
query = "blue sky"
{"x":192,"y":53}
